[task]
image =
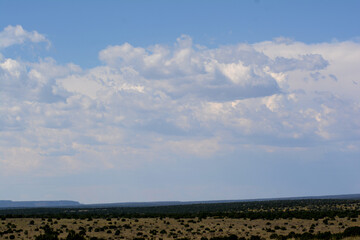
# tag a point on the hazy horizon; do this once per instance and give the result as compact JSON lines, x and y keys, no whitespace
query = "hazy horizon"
{"x":138,"y":101}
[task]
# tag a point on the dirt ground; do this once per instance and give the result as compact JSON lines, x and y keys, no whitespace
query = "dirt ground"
{"x":169,"y":228}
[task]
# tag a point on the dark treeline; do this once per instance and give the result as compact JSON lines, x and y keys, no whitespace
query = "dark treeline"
{"x":276,"y":209}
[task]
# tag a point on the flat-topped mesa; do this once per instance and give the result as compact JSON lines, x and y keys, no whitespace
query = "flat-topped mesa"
{"x":26,"y":204}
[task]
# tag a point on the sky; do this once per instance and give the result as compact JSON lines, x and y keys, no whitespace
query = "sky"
{"x":118,"y":101}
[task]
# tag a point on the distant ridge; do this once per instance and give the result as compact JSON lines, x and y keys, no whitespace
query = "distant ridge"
{"x":37,"y":204}
{"x":173,"y":203}
{"x":4,"y":204}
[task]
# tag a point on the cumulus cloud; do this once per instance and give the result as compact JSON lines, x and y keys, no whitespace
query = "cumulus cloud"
{"x":182,"y":71}
{"x":308,"y":62}
{"x":12,"y":35}
{"x":154,"y":103}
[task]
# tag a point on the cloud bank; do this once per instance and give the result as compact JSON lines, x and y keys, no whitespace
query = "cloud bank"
{"x":166,"y":103}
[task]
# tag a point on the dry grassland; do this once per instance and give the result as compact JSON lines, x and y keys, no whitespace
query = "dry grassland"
{"x":169,"y":228}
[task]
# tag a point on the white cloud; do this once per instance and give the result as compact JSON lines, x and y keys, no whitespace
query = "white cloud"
{"x":11,"y":67}
{"x":12,"y":35}
{"x":182,"y":71}
{"x":151,"y":104}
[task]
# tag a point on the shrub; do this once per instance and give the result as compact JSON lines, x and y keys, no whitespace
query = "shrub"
{"x":255,"y":237}
{"x":49,"y":234}
{"x":273,"y":236}
{"x":351,"y":232}
{"x":75,"y":236}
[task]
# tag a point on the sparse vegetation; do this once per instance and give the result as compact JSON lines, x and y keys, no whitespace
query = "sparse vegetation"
{"x":303,"y":219}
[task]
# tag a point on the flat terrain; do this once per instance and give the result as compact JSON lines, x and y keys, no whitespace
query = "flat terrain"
{"x":297,"y":219}
{"x":169,"y":228}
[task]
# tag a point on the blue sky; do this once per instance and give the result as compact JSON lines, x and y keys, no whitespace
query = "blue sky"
{"x":110,"y":101}
{"x":79,"y":30}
